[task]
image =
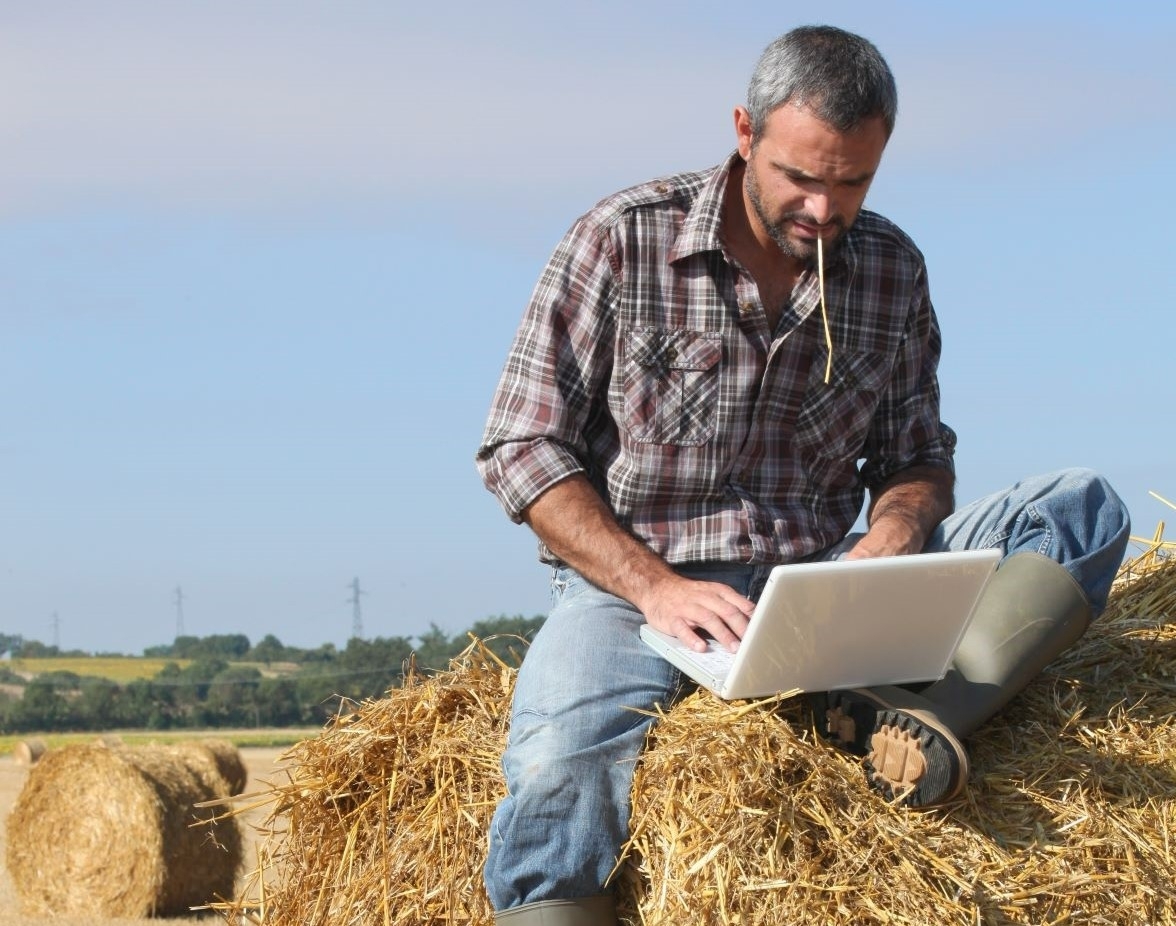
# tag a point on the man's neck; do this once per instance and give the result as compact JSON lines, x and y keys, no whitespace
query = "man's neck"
{"x":775,"y":273}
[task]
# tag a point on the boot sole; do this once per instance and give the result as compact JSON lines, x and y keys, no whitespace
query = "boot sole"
{"x":911,"y":758}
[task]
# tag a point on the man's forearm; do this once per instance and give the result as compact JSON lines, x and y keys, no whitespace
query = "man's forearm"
{"x":577,"y":526}
{"x":905,"y":511}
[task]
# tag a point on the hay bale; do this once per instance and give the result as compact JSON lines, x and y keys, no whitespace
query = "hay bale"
{"x":383,"y":817}
{"x":740,"y":815}
{"x":123,"y":841}
{"x":29,"y":752}
{"x":228,"y":762}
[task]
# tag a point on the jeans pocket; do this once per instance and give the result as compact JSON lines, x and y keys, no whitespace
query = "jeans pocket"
{"x":565,"y":582}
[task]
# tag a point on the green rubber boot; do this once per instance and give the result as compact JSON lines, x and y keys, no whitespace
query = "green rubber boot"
{"x":1031,"y":611}
{"x":586,"y":911}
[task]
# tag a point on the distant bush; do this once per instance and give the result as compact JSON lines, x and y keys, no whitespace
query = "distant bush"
{"x":212,"y":688}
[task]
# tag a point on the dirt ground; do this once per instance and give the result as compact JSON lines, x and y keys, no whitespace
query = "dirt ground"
{"x":262,"y":764}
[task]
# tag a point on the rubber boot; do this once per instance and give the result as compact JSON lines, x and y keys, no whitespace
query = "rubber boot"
{"x":1031,"y":611}
{"x":586,"y":911}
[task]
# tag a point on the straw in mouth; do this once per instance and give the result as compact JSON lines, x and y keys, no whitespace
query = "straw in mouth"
{"x":824,"y":310}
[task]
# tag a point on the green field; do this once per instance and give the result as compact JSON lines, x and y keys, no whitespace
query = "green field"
{"x":121,"y":669}
{"x":115,"y":668}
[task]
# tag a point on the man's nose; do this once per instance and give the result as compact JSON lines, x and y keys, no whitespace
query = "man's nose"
{"x":820,"y":207}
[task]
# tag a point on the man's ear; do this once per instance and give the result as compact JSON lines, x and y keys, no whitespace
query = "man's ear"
{"x":743,"y":132}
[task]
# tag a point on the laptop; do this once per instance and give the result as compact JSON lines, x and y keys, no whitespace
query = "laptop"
{"x":844,"y":624}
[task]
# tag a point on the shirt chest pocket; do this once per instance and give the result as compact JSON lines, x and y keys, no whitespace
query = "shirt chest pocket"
{"x":670,"y":385}
{"x":835,"y":419}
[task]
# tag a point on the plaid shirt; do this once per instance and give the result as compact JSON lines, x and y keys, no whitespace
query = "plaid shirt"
{"x":644,"y":361}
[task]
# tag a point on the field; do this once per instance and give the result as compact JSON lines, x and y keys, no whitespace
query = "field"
{"x":123,"y":669}
{"x":262,"y":762}
{"x":120,"y":669}
{"x":254,"y":739}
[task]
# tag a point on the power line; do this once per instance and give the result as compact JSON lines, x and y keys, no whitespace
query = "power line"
{"x":356,"y":613}
{"x":179,"y":611}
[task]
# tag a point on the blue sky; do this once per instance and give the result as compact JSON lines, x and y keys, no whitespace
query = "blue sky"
{"x":260,"y":263}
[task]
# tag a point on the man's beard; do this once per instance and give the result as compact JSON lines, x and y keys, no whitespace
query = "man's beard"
{"x":790,"y":247}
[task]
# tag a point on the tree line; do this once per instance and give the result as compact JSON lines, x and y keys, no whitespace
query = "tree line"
{"x":225,"y":681}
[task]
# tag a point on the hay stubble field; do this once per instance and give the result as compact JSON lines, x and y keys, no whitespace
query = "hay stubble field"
{"x":262,"y":763}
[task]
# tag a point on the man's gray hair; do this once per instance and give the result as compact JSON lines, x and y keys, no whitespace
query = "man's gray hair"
{"x":840,"y":76}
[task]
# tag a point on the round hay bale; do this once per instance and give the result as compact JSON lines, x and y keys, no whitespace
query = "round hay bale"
{"x":229,"y":762}
{"x":123,"y":841}
{"x":29,"y":752}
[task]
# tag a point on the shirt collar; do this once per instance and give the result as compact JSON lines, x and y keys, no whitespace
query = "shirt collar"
{"x":700,"y":230}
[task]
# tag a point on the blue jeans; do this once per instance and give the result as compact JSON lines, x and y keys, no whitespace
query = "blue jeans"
{"x":575,"y":734}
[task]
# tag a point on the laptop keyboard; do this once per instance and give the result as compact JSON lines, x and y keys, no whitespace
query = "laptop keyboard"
{"x":716,"y":660}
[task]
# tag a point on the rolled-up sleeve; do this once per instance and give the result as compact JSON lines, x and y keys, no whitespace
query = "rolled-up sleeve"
{"x":560,"y":359}
{"x":907,"y":430}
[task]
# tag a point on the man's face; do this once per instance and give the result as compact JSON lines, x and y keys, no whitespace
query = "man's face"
{"x":804,"y":179}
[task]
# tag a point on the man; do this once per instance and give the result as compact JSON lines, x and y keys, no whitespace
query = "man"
{"x":694,"y":397}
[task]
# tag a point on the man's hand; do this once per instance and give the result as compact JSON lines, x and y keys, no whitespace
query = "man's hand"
{"x":885,"y":538}
{"x":905,"y":511}
{"x":576,"y":524}
{"x":683,"y":607}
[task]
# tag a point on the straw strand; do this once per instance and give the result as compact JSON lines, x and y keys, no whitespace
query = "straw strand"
{"x":824,"y":310}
